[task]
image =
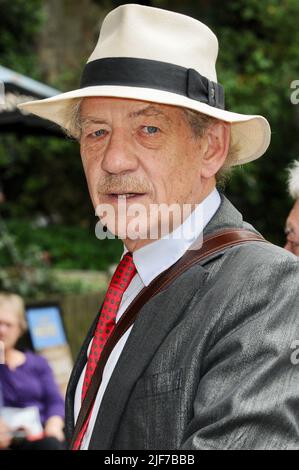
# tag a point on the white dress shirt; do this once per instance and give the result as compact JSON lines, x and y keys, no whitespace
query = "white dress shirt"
{"x":150,"y":261}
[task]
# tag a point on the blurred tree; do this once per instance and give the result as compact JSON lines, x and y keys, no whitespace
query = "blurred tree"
{"x":40,"y":175}
{"x":43,"y":177}
{"x":20,"y":23}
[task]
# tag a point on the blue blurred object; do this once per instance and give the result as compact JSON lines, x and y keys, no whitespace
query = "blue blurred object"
{"x":45,"y":326}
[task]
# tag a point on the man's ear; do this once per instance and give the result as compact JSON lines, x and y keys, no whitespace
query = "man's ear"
{"x":216,"y":139}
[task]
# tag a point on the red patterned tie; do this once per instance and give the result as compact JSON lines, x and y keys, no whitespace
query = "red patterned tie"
{"x":122,"y":277}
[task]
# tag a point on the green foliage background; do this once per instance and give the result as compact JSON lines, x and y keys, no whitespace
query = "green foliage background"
{"x":42,"y":176}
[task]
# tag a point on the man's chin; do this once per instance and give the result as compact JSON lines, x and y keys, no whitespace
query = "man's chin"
{"x":132,"y":233}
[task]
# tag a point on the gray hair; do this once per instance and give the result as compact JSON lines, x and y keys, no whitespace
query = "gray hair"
{"x":198,"y":122}
{"x":73,"y":120}
{"x":293,"y":180}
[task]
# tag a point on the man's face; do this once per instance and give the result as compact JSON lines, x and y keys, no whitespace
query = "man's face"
{"x":145,"y":151}
{"x":292,"y":230}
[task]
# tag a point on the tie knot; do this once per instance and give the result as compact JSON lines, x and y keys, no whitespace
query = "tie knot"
{"x":124,"y":272}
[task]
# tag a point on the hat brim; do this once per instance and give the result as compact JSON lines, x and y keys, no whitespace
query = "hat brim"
{"x":251,"y":133}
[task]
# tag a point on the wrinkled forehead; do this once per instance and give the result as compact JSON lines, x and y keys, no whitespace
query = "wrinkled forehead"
{"x":95,"y":106}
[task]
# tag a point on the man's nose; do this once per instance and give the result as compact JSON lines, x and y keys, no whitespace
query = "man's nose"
{"x":119,"y":156}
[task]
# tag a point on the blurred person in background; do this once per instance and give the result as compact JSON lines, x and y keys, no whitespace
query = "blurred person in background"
{"x":5,"y":435}
{"x":26,"y":378}
{"x":2,"y":196}
{"x":292,"y":223}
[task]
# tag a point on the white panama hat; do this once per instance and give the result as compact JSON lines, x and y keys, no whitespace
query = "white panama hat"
{"x":160,"y":56}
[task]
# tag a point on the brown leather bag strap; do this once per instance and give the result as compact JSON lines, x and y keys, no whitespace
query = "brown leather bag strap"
{"x":211,"y":245}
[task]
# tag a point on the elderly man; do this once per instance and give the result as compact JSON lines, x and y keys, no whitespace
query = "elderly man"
{"x":292,"y":223}
{"x":192,"y":346}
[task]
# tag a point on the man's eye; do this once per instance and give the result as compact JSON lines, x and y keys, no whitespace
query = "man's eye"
{"x":151,"y":129}
{"x":98,"y":133}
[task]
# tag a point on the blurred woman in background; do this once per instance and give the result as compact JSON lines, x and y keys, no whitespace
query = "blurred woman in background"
{"x":26,"y":378}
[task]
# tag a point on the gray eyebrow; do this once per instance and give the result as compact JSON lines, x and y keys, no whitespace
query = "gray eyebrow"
{"x":147,"y":111}
{"x":95,"y":120}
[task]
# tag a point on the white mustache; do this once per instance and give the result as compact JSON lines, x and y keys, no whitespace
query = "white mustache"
{"x":115,"y":185}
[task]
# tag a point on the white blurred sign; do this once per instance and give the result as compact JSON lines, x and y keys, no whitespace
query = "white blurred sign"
{"x":27,"y":418}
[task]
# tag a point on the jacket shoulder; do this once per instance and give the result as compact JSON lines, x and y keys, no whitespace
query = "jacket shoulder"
{"x":250,"y":255}
{"x":261,"y":253}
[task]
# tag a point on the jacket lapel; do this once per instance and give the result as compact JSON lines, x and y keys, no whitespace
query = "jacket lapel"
{"x":73,"y":381}
{"x":153,"y":323}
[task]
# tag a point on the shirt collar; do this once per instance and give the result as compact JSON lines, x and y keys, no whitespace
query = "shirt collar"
{"x":156,"y":257}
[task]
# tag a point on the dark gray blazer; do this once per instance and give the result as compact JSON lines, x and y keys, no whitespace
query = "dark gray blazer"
{"x":208,"y":362}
